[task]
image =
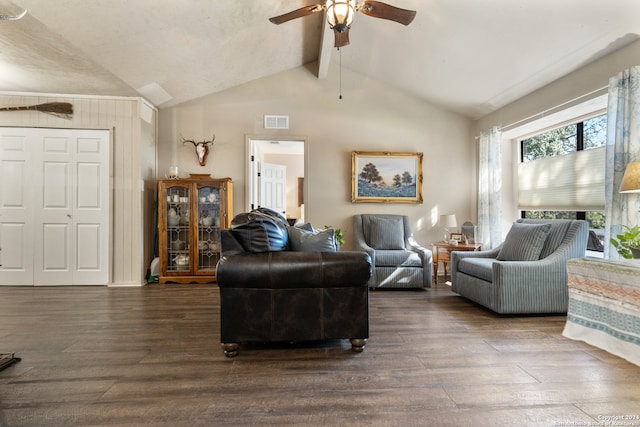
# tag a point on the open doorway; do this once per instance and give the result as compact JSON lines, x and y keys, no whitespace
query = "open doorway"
{"x":276,"y":175}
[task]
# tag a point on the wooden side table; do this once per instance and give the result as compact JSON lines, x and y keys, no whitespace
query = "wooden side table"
{"x":441,"y":253}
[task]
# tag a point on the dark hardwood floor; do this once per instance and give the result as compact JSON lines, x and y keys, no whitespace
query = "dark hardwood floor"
{"x":95,"y":356}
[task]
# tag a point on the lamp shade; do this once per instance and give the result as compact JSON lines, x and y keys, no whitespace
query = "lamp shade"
{"x":448,"y":221}
{"x":631,"y":179}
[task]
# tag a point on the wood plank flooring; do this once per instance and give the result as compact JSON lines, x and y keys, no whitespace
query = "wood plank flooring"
{"x":95,"y":356}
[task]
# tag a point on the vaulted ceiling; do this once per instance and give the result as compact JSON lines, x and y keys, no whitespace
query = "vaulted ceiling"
{"x":468,"y":56}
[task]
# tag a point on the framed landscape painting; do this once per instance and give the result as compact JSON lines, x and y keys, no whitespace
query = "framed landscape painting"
{"x":381,"y":177}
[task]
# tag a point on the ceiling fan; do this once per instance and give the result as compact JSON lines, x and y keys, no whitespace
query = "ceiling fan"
{"x":12,"y":18}
{"x":340,"y":15}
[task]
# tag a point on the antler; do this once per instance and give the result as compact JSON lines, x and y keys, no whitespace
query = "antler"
{"x":210,"y":142}
{"x":187,"y":140}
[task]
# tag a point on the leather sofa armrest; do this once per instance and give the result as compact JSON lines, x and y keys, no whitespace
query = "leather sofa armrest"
{"x":229,"y":244}
{"x":287,"y":269}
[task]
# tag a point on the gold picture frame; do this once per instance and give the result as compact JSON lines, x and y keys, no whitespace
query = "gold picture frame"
{"x":386,"y":177}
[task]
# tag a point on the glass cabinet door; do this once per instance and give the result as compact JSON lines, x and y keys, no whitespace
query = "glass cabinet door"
{"x":208,"y":228}
{"x":177,"y":227}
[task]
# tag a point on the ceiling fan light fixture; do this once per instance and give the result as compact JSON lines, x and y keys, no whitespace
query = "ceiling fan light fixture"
{"x":340,"y":14}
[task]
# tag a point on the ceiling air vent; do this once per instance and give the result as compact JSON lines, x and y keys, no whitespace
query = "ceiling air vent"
{"x":276,"y":122}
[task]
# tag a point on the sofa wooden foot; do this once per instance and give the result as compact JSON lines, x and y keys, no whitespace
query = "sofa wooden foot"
{"x":230,"y":348}
{"x":357,"y":344}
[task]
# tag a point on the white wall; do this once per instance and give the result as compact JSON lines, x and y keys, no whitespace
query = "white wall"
{"x":133,"y":173}
{"x":370,"y":117}
{"x":584,"y":85}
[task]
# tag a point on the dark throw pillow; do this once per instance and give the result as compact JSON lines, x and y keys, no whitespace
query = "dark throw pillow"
{"x":303,"y":240}
{"x":260,"y":232}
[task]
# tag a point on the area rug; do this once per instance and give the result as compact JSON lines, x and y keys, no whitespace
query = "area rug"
{"x":7,"y":359}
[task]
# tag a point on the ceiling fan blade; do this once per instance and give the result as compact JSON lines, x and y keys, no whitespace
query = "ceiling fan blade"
{"x":298,"y":13}
{"x":13,"y":18}
{"x":341,"y":39}
{"x":377,"y":9}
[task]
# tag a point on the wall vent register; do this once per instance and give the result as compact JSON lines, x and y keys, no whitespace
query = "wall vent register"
{"x":276,"y":122}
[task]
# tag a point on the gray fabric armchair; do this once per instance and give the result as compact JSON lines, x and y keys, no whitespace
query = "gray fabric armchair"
{"x":397,"y":259}
{"x":527,"y":273}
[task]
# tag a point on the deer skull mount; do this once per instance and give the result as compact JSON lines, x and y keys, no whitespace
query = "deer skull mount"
{"x":202,"y":149}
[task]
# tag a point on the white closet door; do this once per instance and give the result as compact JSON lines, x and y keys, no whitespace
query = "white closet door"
{"x":91,"y":209}
{"x":16,"y":207}
{"x":53,"y":219}
{"x":69,"y":219}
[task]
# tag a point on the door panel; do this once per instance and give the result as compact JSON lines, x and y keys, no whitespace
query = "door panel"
{"x":13,"y":196}
{"x":54,"y":252}
{"x":87,"y":243}
{"x":13,"y":260}
{"x":88,"y":186}
{"x":55,"y":178}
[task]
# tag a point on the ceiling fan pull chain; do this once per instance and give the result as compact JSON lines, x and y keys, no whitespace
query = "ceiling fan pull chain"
{"x":340,"y":52}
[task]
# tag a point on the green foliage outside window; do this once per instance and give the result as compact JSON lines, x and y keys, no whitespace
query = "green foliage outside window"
{"x":564,"y":140}
{"x":594,"y":218}
{"x":595,"y":132}
{"x":554,"y":143}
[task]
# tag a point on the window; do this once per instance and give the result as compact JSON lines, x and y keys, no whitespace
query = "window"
{"x":585,"y":135}
{"x":561,"y":175}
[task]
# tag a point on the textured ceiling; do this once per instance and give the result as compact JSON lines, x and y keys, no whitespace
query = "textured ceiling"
{"x":468,"y":56}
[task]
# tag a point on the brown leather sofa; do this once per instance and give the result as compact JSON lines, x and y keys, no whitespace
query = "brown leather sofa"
{"x":270,"y":293}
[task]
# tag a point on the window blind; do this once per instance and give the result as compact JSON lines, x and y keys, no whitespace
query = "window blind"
{"x":573,"y":181}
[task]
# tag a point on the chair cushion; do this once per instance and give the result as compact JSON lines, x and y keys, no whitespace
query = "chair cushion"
{"x":303,"y":240}
{"x":386,"y":233}
{"x":481,"y":268}
{"x":397,"y":258}
{"x":524,"y":242}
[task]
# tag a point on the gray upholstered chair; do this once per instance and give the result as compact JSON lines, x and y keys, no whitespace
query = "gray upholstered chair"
{"x":398,"y":261}
{"x":527,"y":273}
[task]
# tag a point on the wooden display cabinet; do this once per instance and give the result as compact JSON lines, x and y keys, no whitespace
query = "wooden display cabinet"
{"x":191,"y":213}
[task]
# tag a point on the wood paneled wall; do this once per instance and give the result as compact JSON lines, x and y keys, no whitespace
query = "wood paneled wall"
{"x":133,"y":123}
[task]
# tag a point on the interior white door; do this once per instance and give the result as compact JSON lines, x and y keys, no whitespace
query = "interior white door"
{"x":53,"y":203}
{"x":91,"y":209}
{"x":16,"y":208}
{"x":273,"y":185}
{"x":68,"y":209}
